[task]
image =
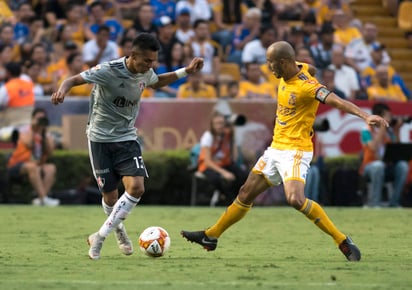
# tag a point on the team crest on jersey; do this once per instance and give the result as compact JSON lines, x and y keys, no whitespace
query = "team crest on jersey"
{"x":100,"y":181}
{"x":292,"y":99}
{"x":142,"y":85}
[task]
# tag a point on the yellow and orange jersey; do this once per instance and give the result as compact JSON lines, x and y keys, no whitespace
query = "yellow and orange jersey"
{"x":296,"y":111}
{"x":249,"y":90}
{"x":205,"y":91}
{"x":390,"y":93}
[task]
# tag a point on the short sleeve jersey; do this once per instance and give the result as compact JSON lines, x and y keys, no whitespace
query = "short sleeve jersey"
{"x":296,"y":110}
{"x":115,"y":100}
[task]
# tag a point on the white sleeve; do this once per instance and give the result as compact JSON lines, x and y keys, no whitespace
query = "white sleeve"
{"x":354,"y":80}
{"x":206,"y":140}
{"x":88,"y":52}
{"x":4,"y":96}
{"x":114,"y":50}
{"x":247,"y":55}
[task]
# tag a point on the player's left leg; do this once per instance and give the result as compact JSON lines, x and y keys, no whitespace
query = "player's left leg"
{"x":123,"y":241}
{"x":294,"y":191}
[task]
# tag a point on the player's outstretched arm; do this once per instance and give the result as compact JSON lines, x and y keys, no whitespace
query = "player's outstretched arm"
{"x":67,"y":84}
{"x":349,"y":107}
{"x":164,"y":79}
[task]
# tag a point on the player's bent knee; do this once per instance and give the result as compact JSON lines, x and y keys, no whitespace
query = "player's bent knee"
{"x":295,"y":200}
{"x":135,"y":190}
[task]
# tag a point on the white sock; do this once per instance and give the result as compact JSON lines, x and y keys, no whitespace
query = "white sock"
{"x":108,"y":210}
{"x":120,"y":211}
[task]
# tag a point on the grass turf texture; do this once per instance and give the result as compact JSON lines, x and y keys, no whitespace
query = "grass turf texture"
{"x":272,"y":248}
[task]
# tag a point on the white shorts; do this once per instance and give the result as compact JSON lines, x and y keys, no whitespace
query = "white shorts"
{"x":277,"y":166}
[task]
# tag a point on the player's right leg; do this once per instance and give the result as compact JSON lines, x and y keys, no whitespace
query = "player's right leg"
{"x":255,"y":184}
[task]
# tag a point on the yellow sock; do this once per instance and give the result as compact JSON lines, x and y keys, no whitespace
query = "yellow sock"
{"x":318,"y":216}
{"x":234,"y":212}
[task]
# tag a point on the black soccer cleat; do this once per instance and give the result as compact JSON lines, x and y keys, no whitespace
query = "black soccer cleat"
{"x":200,"y":238}
{"x":350,"y":250}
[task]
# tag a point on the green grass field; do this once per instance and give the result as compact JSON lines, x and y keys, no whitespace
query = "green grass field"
{"x":272,"y":248}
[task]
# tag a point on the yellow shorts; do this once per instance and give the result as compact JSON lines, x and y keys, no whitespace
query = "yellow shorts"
{"x":277,"y":166}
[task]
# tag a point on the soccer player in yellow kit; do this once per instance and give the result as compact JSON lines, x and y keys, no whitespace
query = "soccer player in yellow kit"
{"x":288,"y":157}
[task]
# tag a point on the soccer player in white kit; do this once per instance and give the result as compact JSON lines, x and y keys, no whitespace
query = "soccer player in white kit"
{"x":115,"y":153}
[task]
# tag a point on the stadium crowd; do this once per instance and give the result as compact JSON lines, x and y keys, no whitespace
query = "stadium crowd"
{"x":46,"y":41}
{"x":53,"y":39}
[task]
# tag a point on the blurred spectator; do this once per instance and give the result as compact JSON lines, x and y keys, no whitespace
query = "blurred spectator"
{"x":196,"y":88}
{"x":46,"y":80}
{"x":255,"y":50}
{"x":231,"y":91}
{"x":177,"y":60}
{"x":126,"y":45}
{"x":23,"y":13}
{"x":226,"y":15}
{"x":199,"y":9}
{"x":59,"y":67}
{"x":322,"y":51}
{"x":369,"y":73}
{"x":6,"y":14}
{"x":344,"y":32}
{"x":245,"y":32}
{"x":164,"y":8}
{"x":202,"y":46}
{"x":75,"y":65}
{"x":310,"y":29}
{"x":37,"y":34}
{"x":126,"y":9}
{"x":166,"y":37}
{"x":109,"y":7}
{"x":374,"y":140}
{"x":296,"y":37}
{"x":218,"y":159}
{"x":358,"y":52}
{"x":303,"y":55}
{"x":312,"y":182}
{"x":98,"y":17}
{"x":184,"y":30}
{"x":328,"y":79}
{"x":290,"y":10}
{"x":16,"y":98}
{"x":254,"y":86}
{"x":346,"y":79}
{"x":55,"y":12}
{"x":328,"y":8}
{"x":59,"y":46}
{"x":267,"y":8}
{"x":34,"y":148}
{"x":131,"y":32}
{"x":144,"y":20}
{"x":5,"y":57}
{"x":100,"y":49}
{"x":383,"y":90}
{"x":30,"y":72}
{"x":7,"y":38}
{"x":75,"y":21}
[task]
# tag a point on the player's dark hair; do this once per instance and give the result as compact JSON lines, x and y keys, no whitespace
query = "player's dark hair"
{"x":379,"y":109}
{"x":146,"y":41}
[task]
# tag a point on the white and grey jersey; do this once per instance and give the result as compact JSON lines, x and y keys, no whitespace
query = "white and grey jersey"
{"x":115,"y":100}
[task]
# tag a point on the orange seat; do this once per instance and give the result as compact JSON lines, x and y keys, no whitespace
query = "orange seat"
{"x":404,"y":15}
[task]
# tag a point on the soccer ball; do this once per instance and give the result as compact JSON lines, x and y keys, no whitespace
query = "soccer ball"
{"x":154,"y":241}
